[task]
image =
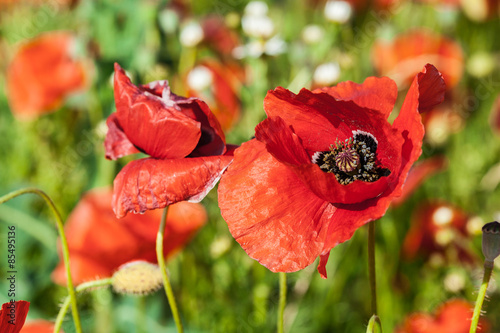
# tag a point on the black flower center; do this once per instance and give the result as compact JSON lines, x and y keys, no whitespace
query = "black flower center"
{"x":353,"y":159}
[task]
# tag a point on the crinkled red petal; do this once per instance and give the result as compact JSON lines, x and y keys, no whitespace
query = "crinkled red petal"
{"x":150,"y":184}
{"x":12,"y":321}
{"x":116,"y":143}
{"x":426,"y":91}
{"x":281,"y":142}
{"x":374,"y":93}
{"x":271,"y":214}
{"x":154,"y":125}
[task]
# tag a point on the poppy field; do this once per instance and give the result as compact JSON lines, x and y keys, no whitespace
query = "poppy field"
{"x":250,"y":166}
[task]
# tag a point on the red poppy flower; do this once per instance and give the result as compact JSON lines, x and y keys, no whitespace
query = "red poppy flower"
{"x":13,"y":315}
{"x":183,"y":138}
{"x":218,"y":85}
{"x":452,"y":317}
{"x":218,"y":36}
{"x":39,"y":326}
{"x":323,"y":164}
{"x":418,"y":174}
{"x":42,"y":73}
{"x":495,"y":116}
{"x":435,"y":227}
{"x":99,"y":243}
{"x":402,"y":58}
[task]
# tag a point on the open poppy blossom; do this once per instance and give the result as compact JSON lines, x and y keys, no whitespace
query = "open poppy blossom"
{"x":453,"y":316}
{"x":13,"y":315}
{"x":42,"y":73}
{"x":184,"y":140}
{"x":436,"y":228}
{"x":324,"y":163}
{"x":99,"y":243}
{"x":402,"y":58}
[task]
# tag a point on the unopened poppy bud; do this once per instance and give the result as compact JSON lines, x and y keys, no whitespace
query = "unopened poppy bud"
{"x":137,"y":278}
{"x":491,"y":241}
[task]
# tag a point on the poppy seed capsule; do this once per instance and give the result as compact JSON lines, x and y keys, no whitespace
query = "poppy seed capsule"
{"x":137,"y":278}
{"x":491,"y":241}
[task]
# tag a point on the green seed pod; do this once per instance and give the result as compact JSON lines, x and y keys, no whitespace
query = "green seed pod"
{"x":491,"y":241}
{"x":137,"y":278}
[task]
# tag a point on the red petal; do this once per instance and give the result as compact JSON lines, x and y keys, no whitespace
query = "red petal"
{"x":426,"y":91}
{"x":281,"y":142}
{"x":212,"y":139}
{"x":323,"y":260}
{"x":117,"y":144}
{"x":150,"y":184}
{"x":271,"y":214}
{"x":305,"y":113}
{"x":153,"y":124}
{"x":374,"y":93}
{"x":13,"y":316}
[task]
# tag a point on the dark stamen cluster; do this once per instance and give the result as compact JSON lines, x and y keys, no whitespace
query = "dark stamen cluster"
{"x":353,"y":159}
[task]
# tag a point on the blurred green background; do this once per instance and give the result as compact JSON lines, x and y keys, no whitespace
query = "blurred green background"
{"x":218,"y":288}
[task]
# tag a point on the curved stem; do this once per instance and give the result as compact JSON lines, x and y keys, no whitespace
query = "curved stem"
{"x":371,"y":265}
{"x":64,"y":243}
{"x":166,"y":283}
{"x":488,"y":268}
{"x":282,"y":304}
{"x":82,"y":287}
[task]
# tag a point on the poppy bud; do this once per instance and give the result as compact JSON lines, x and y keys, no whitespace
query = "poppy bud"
{"x":491,"y":241}
{"x":137,"y":278}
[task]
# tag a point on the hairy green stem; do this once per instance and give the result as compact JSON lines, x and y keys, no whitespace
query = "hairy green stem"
{"x":488,"y":268}
{"x":371,"y":266}
{"x":166,"y":283}
{"x":64,"y":243}
{"x":82,"y":287}
{"x":282,"y":303}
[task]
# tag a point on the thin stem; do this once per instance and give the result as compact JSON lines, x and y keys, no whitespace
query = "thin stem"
{"x":488,"y":268}
{"x":371,"y":265}
{"x":166,"y":283}
{"x":282,"y":303}
{"x":82,"y":287}
{"x":64,"y":243}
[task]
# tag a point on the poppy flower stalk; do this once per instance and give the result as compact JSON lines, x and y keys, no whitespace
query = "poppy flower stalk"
{"x":163,"y":268}
{"x":64,"y":243}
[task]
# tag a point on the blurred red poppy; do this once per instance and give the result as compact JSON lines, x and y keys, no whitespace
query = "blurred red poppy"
{"x":418,"y":174}
{"x":99,"y":243}
{"x":42,"y":73}
{"x":495,"y":116}
{"x":184,"y":140}
{"x":218,"y":85}
{"x":13,"y":316}
{"x":39,"y":326}
{"x":403,"y":57}
{"x":323,"y":164}
{"x":452,"y":317}
{"x":218,"y":36}
{"x":437,"y":226}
